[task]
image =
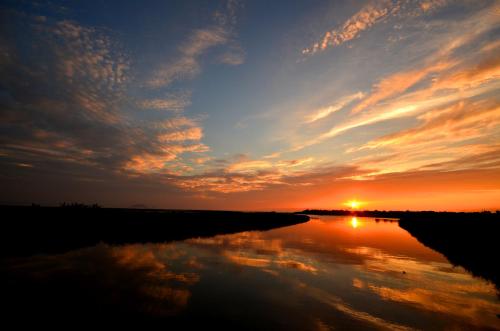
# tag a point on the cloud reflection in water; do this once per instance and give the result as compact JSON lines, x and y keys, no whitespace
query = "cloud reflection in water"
{"x":327,"y":271}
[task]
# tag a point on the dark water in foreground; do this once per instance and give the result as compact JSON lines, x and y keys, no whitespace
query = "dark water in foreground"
{"x":329,"y":273}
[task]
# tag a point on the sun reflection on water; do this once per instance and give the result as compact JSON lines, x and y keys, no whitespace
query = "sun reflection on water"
{"x":354,"y":222}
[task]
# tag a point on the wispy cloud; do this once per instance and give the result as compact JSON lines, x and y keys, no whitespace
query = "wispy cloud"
{"x":443,"y":78}
{"x":186,"y":65}
{"x":375,"y":12}
{"x":461,"y":121}
{"x":242,"y":174}
{"x":362,"y":20}
{"x":399,"y":83}
{"x":326,"y":111}
{"x":234,"y":56}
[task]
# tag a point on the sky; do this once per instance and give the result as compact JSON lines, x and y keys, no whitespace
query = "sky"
{"x":251,"y":105}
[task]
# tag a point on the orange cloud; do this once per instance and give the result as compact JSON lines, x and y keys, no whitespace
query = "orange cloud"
{"x":487,"y":70}
{"x":159,"y":162}
{"x":194,"y":133}
{"x":362,"y":20}
{"x":429,"y":5}
{"x":456,"y":79}
{"x":455,"y":123}
{"x":147,"y":163}
{"x":368,"y":16}
{"x":398,"y":83}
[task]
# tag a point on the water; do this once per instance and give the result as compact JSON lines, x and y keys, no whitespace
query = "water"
{"x":329,"y":273}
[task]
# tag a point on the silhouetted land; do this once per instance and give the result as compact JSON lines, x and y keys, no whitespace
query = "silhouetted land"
{"x":32,"y":230}
{"x":470,"y":240}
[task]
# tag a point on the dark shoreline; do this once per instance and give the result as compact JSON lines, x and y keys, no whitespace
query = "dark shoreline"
{"x":35,"y":230}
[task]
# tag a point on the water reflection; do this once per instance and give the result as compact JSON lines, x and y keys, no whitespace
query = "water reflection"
{"x":332,"y":272}
{"x":354,"y":222}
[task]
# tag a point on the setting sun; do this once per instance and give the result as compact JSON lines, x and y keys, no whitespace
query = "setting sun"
{"x":353,"y":204}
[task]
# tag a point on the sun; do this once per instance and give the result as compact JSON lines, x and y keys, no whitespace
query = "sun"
{"x":353,"y":204}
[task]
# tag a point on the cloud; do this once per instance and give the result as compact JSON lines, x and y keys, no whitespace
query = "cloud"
{"x":66,"y":102}
{"x":429,"y":5}
{"x":187,"y":65}
{"x":444,"y":77}
{"x":461,"y":121}
{"x":324,"y":112}
{"x":249,"y":166}
{"x":234,"y":56}
{"x":362,"y":20}
{"x":166,"y":141}
{"x":295,"y":162}
{"x":148,"y":163}
{"x":158,"y":162}
{"x":194,"y":133}
{"x":176,"y":103}
{"x":254,"y":175}
{"x":368,"y":16}
{"x":244,"y":175}
{"x":222,"y":182}
{"x":61,"y":101}
{"x":399,"y":83}
{"x":487,"y":70}
{"x":176,"y":122}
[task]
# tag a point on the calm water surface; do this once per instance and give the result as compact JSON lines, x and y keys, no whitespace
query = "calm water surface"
{"x":329,"y":273}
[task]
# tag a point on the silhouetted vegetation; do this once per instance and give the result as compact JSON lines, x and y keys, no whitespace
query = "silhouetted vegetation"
{"x":78,"y":205}
{"x":27,"y":230}
{"x":469,"y":240}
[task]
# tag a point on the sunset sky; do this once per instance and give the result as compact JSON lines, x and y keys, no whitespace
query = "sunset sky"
{"x":251,"y":105}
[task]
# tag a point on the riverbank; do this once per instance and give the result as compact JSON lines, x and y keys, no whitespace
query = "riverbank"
{"x":31,"y":230}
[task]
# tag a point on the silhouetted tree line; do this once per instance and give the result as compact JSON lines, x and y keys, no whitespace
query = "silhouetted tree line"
{"x":78,"y":205}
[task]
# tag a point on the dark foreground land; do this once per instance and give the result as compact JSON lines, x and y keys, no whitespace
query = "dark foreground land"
{"x":470,"y":240}
{"x":34,"y":230}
